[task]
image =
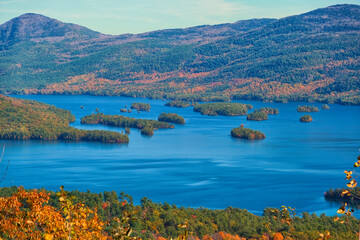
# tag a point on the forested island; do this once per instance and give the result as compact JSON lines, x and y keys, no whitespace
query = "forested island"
{"x":257,"y":115}
{"x":336,"y":194}
{"x":269,"y":110}
{"x":225,"y":109}
{"x":307,"y":109}
{"x":246,"y":133}
{"x":178,"y":104}
{"x":145,"y":107}
{"x":306,"y":118}
{"x":151,"y":220}
{"x":146,"y":125}
{"x":26,"y":119}
{"x":171,"y":118}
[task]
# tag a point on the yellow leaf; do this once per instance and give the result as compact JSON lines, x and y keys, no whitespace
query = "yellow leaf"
{"x":357,"y":164}
{"x":341,"y":210}
{"x":61,"y":199}
{"x":352,"y":184}
{"x":345,"y":192}
{"x":336,"y":219}
{"x":49,"y":237}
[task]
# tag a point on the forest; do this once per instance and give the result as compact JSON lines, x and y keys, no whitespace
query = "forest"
{"x":25,"y":119}
{"x":160,"y":221}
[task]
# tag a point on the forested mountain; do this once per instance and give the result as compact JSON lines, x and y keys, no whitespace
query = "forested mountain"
{"x":312,"y":57}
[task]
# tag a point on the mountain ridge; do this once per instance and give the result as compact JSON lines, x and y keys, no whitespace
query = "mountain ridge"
{"x":312,"y":56}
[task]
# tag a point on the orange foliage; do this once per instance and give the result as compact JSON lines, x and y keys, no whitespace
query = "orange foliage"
{"x":25,"y":215}
{"x":278,"y":236}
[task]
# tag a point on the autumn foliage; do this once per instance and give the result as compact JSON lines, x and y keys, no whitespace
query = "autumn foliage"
{"x":26,"y":215}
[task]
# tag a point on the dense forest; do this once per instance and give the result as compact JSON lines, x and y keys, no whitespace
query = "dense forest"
{"x":246,"y":133}
{"x":309,"y":57}
{"x":146,"y":126}
{"x":226,"y":109}
{"x":25,"y":119}
{"x":161,"y":221}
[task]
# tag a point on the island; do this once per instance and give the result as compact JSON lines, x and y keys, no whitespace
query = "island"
{"x":269,"y":110}
{"x":124,"y":122}
{"x":123,"y":110}
{"x":26,"y":119}
{"x":306,"y":118}
{"x":178,"y":104}
{"x":148,"y":131}
{"x":325,"y":106}
{"x":336,"y":195}
{"x":145,"y":107}
{"x":171,"y":118}
{"x":257,"y":115}
{"x":246,"y":133}
{"x":307,"y":109}
{"x":221,"y":108}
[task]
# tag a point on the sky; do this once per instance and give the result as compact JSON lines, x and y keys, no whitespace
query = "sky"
{"x":137,"y":16}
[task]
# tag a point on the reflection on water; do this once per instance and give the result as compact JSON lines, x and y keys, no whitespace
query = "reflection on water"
{"x":198,"y":164}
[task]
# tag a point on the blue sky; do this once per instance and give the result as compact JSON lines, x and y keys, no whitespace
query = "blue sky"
{"x":136,"y":16}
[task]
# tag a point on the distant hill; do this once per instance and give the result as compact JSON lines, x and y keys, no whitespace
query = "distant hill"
{"x":312,"y":57}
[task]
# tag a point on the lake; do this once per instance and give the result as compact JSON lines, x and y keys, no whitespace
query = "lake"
{"x":198,"y":164}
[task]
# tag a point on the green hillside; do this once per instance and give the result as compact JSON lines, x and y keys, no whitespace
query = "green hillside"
{"x":25,"y":119}
{"x":311,"y":57}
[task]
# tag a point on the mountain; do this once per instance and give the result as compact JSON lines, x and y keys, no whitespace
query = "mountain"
{"x":312,"y":56}
{"x":32,"y":26}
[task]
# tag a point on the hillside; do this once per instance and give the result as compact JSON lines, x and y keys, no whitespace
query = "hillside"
{"x":25,"y":119}
{"x":311,"y":57}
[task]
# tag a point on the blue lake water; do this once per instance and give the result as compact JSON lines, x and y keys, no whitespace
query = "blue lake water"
{"x":198,"y":164}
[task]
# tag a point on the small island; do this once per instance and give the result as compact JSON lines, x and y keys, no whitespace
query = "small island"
{"x":269,"y":110}
{"x":246,"y":133}
{"x":124,"y":122}
{"x":145,"y":107}
{"x":336,"y":195}
{"x":123,"y":110}
{"x":225,"y":109}
{"x":307,"y":109}
{"x":26,"y":119}
{"x":178,"y":104}
{"x":325,"y":106}
{"x":306,"y":118}
{"x":171,"y":118}
{"x":147,"y":131}
{"x":257,"y":115}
